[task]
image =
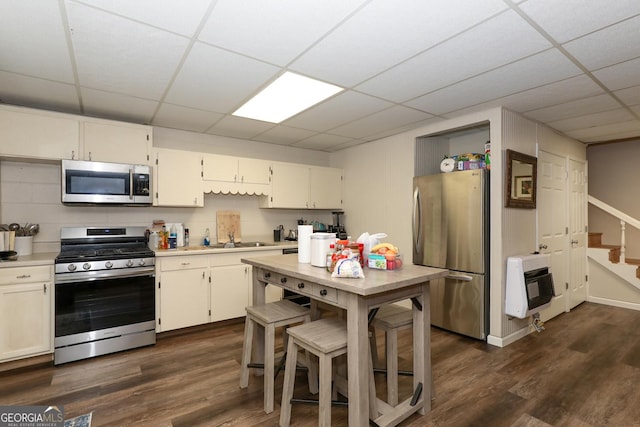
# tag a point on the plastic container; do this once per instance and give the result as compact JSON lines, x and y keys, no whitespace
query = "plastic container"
{"x":320,"y":244}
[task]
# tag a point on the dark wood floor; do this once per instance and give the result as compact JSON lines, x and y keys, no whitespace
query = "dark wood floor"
{"x":583,"y":370}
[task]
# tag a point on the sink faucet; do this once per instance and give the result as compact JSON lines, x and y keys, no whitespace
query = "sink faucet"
{"x":231,"y":243}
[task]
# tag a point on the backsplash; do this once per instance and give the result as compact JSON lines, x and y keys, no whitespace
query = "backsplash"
{"x":30,"y":192}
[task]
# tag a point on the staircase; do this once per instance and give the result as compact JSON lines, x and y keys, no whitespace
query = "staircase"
{"x":609,"y":256}
{"x":613,"y":257}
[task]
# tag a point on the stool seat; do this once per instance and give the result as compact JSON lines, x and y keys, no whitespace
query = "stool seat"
{"x":278,"y":311}
{"x":270,"y":316}
{"x":391,"y":316}
{"x":322,"y":336}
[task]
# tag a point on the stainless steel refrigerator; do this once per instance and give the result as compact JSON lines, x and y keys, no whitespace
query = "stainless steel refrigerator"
{"x":450,"y":230}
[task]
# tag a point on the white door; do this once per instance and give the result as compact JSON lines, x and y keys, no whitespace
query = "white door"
{"x":552,"y":225}
{"x":578,"y":232}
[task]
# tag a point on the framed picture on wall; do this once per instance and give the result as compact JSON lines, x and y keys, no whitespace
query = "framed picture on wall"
{"x":524,"y":187}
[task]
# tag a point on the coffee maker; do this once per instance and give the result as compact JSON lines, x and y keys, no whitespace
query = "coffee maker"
{"x":337,"y":227}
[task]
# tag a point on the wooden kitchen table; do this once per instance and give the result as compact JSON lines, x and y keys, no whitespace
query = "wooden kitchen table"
{"x":358,"y":297}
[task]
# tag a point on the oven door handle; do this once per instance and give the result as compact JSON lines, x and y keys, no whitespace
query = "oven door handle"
{"x":61,"y":278}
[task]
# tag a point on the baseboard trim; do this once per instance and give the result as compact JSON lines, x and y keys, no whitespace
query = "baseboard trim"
{"x":510,"y":339}
{"x":614,"y":303}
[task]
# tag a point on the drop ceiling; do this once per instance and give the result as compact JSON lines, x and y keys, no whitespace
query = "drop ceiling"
{"x":572,"y":64}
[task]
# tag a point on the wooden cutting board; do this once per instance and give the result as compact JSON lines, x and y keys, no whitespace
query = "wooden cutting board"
{"x":228,"y":222}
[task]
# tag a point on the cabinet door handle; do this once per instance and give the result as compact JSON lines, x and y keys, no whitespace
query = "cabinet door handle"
{"x":283,"y":280}
{"x":300,"y":285}
{"x":44,"y":288}
{"x":323,"y":293}
{"x":23,"y":276}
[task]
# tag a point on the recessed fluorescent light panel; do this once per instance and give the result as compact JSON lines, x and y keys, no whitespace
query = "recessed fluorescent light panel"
{"x":286,"y":96}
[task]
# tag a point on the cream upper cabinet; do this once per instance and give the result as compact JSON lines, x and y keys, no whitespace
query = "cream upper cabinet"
{"x":29,"y":133}
{"x":25,"y":311}
{"x":177,"y":178}
{"x":117,"y":142}
{"x":289,"y":187}
{"x":296,"y":186}
{"x":325,"y":188}
{"x":236,"y":175}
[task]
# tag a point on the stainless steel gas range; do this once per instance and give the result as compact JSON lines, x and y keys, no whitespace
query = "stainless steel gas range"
{"x":104,"y":292}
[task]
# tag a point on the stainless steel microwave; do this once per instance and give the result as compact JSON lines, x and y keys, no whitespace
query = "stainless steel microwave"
{"x":105,"y":183}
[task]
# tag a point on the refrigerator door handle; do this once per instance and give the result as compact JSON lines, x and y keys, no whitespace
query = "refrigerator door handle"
{"x":417,"y":215}
{"x":461,"y":277}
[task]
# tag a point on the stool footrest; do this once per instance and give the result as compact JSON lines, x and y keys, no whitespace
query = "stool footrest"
{"x":384,"y":371}
{"x":316,"y":402}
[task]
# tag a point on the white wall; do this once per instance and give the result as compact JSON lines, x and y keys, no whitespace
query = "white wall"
{"x":30,"y":192}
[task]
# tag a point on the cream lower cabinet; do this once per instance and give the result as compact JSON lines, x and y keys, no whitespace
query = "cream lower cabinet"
{"x":26,"y":298}
{"x":182,"y":285}
{"x":197,"y":289}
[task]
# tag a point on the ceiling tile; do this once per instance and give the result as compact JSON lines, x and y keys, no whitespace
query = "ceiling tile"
{"x":275,"y":31}
{"x":568,"y":19}
{"x":608,"y":46}
{"x":620,"y":76}
{"x":608,"y":132}
{"x":177,"y":117}
{"x":592,"y":120}
{"x":592,"y":104}
{"x":239,"y":127}
{"x":394,"y":117}
{"x":118,"y":55}
{"x":322,"y":142}
{"x":170,"y":15}
{"x":284,"y":135}
{"x":341,"y":109}
{"x":217,"y":80}
{"x":537,"y":70}
{"x":117,"y":107}
{"x":32,"y":92}
{"x":496,"y":42}
{"x":33,"y":40}
{"x":630,"y":96}
{"x":385,"y":33}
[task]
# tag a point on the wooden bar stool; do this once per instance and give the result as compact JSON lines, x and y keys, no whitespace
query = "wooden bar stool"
{"x":391,"y":318}
{"x":327,"y":339}
{"x":270,"y":316}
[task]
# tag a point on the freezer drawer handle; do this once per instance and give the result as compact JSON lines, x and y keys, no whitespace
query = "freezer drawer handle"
{"x":462,"y":277}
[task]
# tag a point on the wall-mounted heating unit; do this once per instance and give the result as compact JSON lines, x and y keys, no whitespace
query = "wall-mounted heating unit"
{"x":529,"y":285}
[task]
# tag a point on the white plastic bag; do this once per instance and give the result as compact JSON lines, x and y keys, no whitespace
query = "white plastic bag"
{"x":369,"y":241}
{"x":348,"y":268}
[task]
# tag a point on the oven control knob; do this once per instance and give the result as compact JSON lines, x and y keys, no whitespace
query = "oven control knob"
{"x":141,"y":262}
{"x":108,"y":264}
{"x":72,"y":267}
{"x":130,"y":263}
{"x":86,"y":266}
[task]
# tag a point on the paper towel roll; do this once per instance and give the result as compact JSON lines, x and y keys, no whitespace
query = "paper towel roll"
{"x":304,"y":243}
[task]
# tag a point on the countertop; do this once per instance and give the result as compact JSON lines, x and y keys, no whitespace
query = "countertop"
{"x":196,"y":250}
{"x":44,"y":258}
{"x":374,"y":282}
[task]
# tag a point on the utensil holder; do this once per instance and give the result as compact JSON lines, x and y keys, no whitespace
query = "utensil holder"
{"x":24,"y":245}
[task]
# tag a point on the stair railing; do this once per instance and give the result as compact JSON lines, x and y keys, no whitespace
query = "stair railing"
{"x":624,"y":220}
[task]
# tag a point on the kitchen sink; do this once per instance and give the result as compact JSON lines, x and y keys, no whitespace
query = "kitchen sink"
{"x":238,"y":245}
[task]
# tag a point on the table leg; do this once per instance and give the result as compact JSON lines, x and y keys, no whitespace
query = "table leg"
{"x":358,"y":361}
{"x":422,"y":349}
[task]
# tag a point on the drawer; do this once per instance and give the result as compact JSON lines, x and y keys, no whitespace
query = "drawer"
{"x":278,"y":279}
{"x":325,"y":293}
{"x":16,"y":275}
{"x":183,"y":262}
